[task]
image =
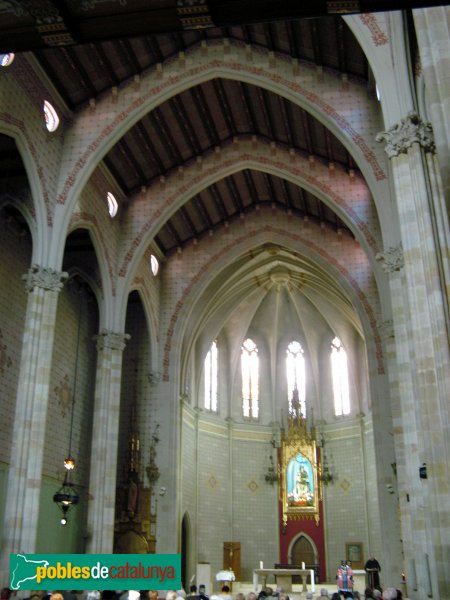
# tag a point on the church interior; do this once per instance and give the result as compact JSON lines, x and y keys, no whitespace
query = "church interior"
{"x":224,"y":232}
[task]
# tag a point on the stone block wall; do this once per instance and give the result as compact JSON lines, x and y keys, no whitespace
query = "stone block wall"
{"x":15,"y":251}
{"x":234,"y":501}
{"x":350,"y":501}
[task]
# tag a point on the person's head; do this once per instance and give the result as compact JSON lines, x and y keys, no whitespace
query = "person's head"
{"x":399,"y":594}
{"x":239,"y":596}
{"x":171,"y":595}
{"x":181,"y":593}
{"x":309,"y":595}
{"x":56,"y":596}
{"x":6,"y":593}
{"x":225,"y":589}
{"x":193,"y":589}
{"x":202,"y":588}
{"x":251,"y":596}
{"x":376,"y":593}
{"x":152,"y":595}
{"x":324,"y":592}
{"x":390,"y":594}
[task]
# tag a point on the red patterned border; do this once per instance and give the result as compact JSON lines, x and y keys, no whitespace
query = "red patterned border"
{"x":225,"y":164}
{"x":204,"y":270}
{"x":379,"y":38}
{"x":237,"y":67}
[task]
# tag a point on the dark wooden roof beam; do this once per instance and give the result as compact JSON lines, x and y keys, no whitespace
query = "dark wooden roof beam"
{"x":154,"y":48}
{"x":223,"y":103}
{"x":149,"y":146}
{"x":307,"y":131}
{"x":130,"y":55}
{"x":268,"y":116}
{"x":106,"y":64}
{"x":315,"y":36}
{"x":174,"y":233}
{"x":203,"y":108}
{"x":287,"y":122}
{"x":251,"y":185}
{"x":329,"y":145}
{"x":126,"y":151}
{"x":287,"y":194}
{"x":248,"y":105}
{"x":231,"y":185}
{"x":115,"y":173}
{"x":343,"y":67}
{"x":215,"y":192}
{"x":203,"y":212}
{"x":188,"y":220}
{"x":165,"y":135}
{"x":77,"y":65}
{"x":271,"y":190}
{"x":185,"y":123}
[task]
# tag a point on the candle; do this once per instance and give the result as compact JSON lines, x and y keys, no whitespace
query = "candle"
{"x":261,"y":566}
{"x":303,"y":565}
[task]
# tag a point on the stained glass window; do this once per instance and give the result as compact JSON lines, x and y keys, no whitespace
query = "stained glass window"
{"x":154,"y":265}
{"x":6,"y":59}
{"x":112,"y":205}
{"x":50,"y":116}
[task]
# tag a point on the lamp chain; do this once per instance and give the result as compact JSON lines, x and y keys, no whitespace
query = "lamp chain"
{"x":75,"y":374}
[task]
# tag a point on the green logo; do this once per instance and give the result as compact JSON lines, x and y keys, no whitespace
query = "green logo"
{"x":95,"y":571}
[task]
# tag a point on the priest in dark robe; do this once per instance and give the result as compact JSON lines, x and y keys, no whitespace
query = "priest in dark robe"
{"x":372,"y":569}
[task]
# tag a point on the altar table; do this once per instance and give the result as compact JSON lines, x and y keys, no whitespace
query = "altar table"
{"x":283,"y":577}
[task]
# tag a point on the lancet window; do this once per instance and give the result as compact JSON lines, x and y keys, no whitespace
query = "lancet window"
{"x":296,"y":379}
{"x":339,"y":372}
{"x":250,"y":379}
{"x":211,"y":378}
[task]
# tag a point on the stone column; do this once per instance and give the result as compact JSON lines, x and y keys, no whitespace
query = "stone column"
{"x":105,"y":437}
{"x":25,"y":469}
{"x":420,"y":310}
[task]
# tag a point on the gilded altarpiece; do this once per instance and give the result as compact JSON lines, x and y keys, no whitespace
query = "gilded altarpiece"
{"x":299,"y":489}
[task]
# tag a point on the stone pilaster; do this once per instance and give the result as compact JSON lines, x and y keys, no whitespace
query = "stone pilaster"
{"x":422,"y":355}
{"x":25,"y":470}
{"x":102,"y":486}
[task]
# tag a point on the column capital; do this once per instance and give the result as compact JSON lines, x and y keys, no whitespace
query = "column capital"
{"x":45,"y":278}
{"x":154,"y":377}
{"x":392,"y":259}
{"x":401,"y":136}
{"x":386,"y":329}
{"x":111,"y":340}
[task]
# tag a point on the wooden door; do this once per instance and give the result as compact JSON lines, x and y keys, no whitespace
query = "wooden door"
{"x":232,"y":558}
{"x":303,"y":551}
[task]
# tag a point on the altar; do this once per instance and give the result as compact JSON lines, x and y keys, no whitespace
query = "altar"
{"x":283,"y":577}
